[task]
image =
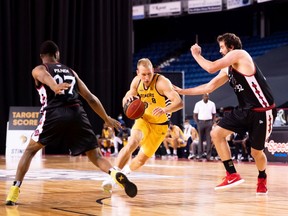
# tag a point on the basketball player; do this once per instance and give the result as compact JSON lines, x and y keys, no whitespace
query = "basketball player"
{"x":256,"y":110}
{"x":64,"y":120}
{"x":148,"y":132}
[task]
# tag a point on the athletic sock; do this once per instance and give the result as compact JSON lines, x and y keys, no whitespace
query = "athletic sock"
{"x":229,"y":166}
{"x":126,"y":170}
{"x":112,"y":169}
{"x":17,"y":183}
{"x":262,"y":174}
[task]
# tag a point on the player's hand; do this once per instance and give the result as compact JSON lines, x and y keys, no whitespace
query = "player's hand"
{"x":129,"y":99}
{"x":59,"y":88}
{"x":177,"y":89}
{"x":158,"y":111}
{"x":195,"y":50}
{"x":111,"y":122}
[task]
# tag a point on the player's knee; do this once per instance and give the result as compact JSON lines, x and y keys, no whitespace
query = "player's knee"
{"x":257,"y":153}
{"x":141,"y":161}
{"x":214,"y":135}
{"x":32,"y":148}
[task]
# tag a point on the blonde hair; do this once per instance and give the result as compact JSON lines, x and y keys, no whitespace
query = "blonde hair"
{"x":145,"y":62}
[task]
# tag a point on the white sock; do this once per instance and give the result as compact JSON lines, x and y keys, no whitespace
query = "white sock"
{"x":168,"y":151}
{"x":114,"y":168}
{"x":126,"y":170}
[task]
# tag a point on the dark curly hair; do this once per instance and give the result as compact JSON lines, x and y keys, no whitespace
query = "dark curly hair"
{"x":230,"y":40}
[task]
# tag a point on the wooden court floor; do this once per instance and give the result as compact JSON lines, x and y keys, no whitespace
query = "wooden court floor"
{"x":64,"y":185}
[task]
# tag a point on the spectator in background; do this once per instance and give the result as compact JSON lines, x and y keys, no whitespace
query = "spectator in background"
{"x":120,"y":118}
{"x":192,"y":136}
{"x":107,"y":139}
{"x":221,"y":112}
{"x":175,"y":138}
{"x":239,"y":141}
{"x":122,"y":138}
{"x":187,"y":127}
{"x":204,"y":113}
{"x":280,"y":118}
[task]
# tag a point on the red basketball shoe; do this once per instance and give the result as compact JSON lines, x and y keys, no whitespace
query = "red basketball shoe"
{"x":261,"y":186}
{"x":230,"y":180}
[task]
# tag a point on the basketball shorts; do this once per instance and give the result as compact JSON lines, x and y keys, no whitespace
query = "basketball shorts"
{"x":153,"y":136}
{"x":66,"y":126}
{"x":257,"y":124}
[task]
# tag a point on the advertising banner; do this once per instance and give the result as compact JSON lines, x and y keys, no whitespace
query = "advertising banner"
{"x":260,"y":1}
{"x":202,"y":6}
{"x":22,"y":122}
{"x":165,"y":9}
{"x":276,"y":149}
{"x":138,"y":12}
{"x":237,"y":3}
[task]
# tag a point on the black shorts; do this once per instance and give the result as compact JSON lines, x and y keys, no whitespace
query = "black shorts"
{"x":66,"y":126}
{"x":258,"y":125}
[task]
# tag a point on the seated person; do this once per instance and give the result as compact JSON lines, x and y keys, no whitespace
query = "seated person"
{"x":122,"y":138}
{"x":280,"y":119}
{"x":174,"y":138}
{"x":106,"y":139}
{"x":237,"y":142}
{"x":194,"y":144}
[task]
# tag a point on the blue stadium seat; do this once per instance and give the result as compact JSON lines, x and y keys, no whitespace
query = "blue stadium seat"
{"x":160,"y":52}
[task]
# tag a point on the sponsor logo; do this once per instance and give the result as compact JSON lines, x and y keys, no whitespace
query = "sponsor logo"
{"x":230,"y":181}
{"x":274,"y":147}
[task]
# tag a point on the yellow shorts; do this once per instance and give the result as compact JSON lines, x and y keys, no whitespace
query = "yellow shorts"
{"x":153,"y":136}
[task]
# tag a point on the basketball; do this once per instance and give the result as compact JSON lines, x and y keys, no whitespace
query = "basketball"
{"x":134,"y":109}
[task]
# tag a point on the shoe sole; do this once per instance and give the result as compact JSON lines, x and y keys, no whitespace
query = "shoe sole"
{"x":129,"y":187}
{"x":230,"y":185}
{"x":10,"y":203}
{"x":261,"y":193}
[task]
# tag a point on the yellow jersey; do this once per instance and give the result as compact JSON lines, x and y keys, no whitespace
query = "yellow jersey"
{"x":176,"y":132}
{"x":152,"y":99}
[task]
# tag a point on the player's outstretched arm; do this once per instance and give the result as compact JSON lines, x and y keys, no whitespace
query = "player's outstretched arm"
{"x":96,"y":104}
{"x":209,"y":87}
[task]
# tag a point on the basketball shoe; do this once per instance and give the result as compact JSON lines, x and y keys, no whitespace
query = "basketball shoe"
{"x":108,"y":185}
{"x":230,"y":180}
{"x":13,"y":195}
{"x":121,"y":179}
{"x":191,"y":156}
{"x":261,"y":186}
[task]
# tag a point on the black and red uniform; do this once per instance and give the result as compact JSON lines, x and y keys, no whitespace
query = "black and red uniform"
{"x":255,"y":112}
{"x":64,"y":120}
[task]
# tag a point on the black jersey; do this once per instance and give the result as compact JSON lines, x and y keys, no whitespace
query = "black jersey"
{"x":252,"y":91}
{"x":60,"y":74}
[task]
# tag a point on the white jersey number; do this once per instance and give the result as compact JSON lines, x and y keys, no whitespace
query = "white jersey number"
{"x":68,"y":79}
